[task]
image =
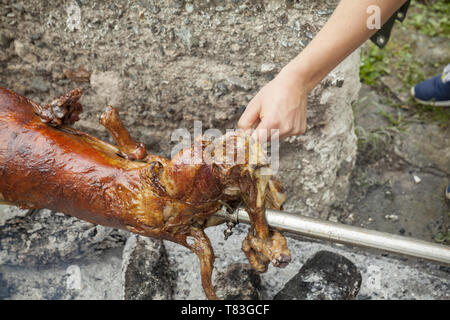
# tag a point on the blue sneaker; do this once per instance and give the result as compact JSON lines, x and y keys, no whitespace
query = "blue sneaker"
{"x":447,"y":191}
{"x":434,"y":91}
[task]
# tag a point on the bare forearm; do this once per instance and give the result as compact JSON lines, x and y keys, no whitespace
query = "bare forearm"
{"x":344,"y":32}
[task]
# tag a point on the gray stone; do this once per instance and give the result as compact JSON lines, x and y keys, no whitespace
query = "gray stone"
{"x":7,"y":212}
{"x":187,"y":37}
{"x":146,"y":273}
{"x":425,"y":145}
{"x":268,"y":67}
{"x":189,"y":7}
{"x":178,"y":3}
{"x":238,"y":83}
{"x":5,"y":288}
{"x":238,"y":282}
{"x":35,"y":36}
{"x":4,"y":41}
{"x":40,"y":84}
{"x":220,"y":89}
{"x":325,"y":276}
{"x":46,"y":237}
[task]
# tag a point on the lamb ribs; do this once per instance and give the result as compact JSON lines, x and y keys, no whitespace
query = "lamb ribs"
{"x":44,"y":163}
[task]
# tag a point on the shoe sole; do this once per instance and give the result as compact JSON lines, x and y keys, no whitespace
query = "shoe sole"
{"x":430,"y":103}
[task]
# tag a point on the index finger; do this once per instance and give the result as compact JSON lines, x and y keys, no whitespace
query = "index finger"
{"x":250,"y":115}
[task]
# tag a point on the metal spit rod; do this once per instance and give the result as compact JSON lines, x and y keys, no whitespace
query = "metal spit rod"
{"x":336,"y":232}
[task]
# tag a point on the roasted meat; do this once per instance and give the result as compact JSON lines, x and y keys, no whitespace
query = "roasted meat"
{"x":45,"y":163}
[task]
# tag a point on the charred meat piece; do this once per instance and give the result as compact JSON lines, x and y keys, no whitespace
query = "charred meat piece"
{"x":44,"y":163}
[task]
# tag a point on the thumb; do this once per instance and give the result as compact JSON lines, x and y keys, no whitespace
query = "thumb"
{"x":250,"y":115}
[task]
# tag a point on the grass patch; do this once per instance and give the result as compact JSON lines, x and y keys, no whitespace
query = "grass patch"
{"x":395,"y":59}
{"x":430,"y":19}
{"x":372,"y":143}
{"x":399,"y":61}
{"x":396,"y":121}
{"x":437,"y":114}
{"x":374,"y":64}
{"x":442,"y":237}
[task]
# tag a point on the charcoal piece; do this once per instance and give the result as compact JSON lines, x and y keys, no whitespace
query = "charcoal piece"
{"x":325,"y":276}
{"x":146,"y":273}
{"x":238,"y":282}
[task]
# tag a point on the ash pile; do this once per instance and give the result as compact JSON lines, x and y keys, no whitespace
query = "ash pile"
{"x":48,"y":255}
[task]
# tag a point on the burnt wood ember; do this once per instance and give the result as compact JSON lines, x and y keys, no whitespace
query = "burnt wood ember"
{"x":44,"y":163}
{"x":239,"y":282}
{"x":325,"y":276}
{"x":145,"y":270}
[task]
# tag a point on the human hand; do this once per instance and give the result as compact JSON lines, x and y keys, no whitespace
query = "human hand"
{"x":280,"y":104}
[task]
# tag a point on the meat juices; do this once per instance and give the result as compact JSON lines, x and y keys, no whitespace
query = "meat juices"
{"x":44,"y":163}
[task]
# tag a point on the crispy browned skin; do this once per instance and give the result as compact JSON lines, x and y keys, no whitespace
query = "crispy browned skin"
{"x":44,"y":163}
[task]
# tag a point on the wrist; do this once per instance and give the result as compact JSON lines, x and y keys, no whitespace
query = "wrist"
{"x":299,"y":75}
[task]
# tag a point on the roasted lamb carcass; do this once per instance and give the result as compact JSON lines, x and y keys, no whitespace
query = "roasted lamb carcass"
{"x":44,"y":163}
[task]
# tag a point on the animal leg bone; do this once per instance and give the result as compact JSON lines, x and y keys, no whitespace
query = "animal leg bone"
{"x":260,"y":252}
{"x":262,"y":246}
{"x":204,"y":251}
{"x":130,"y":149}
